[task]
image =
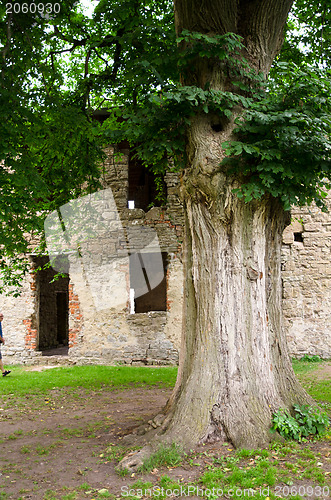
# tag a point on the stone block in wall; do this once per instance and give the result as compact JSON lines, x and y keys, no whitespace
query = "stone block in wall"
{"x":154,"y":213}
{"x":288,"y":234}
{"x":313,"y":227}
{"x":288,"y":237}
{"x":132,"y":214}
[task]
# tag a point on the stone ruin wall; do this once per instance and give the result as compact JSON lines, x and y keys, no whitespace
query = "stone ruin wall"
{"x":307,"y":281}
{"x":115,"y":336}
{"x":109,"y":335}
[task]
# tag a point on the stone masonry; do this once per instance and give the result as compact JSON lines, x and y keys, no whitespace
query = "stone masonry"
{"x":307,"y":281}
{"x":80,"y":320}
{"x":92,"y":331}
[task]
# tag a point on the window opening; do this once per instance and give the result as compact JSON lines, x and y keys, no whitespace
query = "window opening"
{"x":148,"y":284}
{"x":142,"y":185}
{"x":298,"y":237}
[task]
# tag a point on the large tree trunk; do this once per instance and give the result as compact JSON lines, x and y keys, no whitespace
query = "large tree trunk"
{"x":234,"y":368}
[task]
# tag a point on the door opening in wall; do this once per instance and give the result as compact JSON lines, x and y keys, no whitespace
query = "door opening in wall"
{"x":52,"y":309}
{"x":148,"y":283}
{"x":62,"y":309}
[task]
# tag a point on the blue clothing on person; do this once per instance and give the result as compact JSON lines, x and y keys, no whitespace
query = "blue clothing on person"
{"x":1,"y":337}
{"x":4,"y":372}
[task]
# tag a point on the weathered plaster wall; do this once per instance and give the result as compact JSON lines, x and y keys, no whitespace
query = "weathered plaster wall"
{"x":18,"y":324}
{"x":114,"y":335}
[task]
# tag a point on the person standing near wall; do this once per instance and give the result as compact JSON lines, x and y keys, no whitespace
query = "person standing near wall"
{"x":4,"y":372}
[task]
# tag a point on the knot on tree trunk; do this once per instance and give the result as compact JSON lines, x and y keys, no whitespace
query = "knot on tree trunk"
{"x":253,"y":274}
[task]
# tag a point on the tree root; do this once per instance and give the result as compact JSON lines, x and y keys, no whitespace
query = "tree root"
{"x":134,"y":460}
{"x":148,"y":435}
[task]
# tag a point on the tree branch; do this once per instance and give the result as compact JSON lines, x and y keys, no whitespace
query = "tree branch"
{"x":7,"y":46}
{"x":117,"y":55}
{"x":261,"y":24}
{"x":76,"y":43}
{"x":207,"y":16}
{"x":86,"y":66}
{"x":100,"y":57}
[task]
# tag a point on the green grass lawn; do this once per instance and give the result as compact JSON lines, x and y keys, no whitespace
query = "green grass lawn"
{"x":320,"y":390}
{"x":23,"y":381}
{"x":302,"y":367}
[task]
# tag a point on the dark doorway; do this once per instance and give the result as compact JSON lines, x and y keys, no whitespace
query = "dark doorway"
{"x":52,"y":308}
{"x":62,"y":306}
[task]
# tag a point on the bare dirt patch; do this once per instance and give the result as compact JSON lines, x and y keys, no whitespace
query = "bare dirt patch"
{"x":40,"y":368}
{"x":56,"y":442}
{"x":72,"y":440}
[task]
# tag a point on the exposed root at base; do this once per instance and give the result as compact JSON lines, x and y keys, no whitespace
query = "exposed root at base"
{"x":155,"y":423}
{"x":147,"y":435}
{"x":133,"y":461}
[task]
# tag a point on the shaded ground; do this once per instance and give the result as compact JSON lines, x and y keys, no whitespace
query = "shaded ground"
{"x":71,"y":440}
{"x":49,"y":443}
{"x":323,"y":372}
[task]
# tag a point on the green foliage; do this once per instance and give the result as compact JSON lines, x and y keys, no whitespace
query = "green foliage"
{"x":311,"y":420}
{"x":157,"y":128}
{"x":311,"y":358}
{"x":165,"y":455}
{"x":283,"y":144}
{"x":48,"y":144}
{"x":308,"y":33}
{"x":286,"y":425}
{"x":226,"y":50}
{"x":56,"y":70}
{"x":306,"y":421}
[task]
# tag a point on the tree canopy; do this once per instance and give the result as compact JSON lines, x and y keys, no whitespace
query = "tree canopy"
{"x":60,"y":65}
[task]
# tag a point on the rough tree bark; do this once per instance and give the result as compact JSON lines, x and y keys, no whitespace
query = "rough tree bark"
{"x":234,"y":367}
